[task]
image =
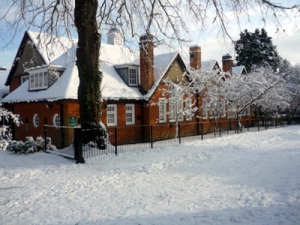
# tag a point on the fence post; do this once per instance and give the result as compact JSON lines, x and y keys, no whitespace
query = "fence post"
{"x":202,"y":131}
{"x":247,"y":122}
{"x":258,"y":125}
{"x":151,"y":137}
{"x":45,"y":135}
{"x":179,"y":133}
{"x":78,"y":145}
{"x":265,"y":122}
{"x":276,"y":122}
{"x":220,"y":131}
{"x":116,"y":141}
{"x":215,"y":130}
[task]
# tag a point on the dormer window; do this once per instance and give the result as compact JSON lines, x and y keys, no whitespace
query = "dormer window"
{"x":129,"y":73}
{"x":40,"y":78}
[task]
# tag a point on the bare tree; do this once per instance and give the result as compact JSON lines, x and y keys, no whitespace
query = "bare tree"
{"x":165,"y":19}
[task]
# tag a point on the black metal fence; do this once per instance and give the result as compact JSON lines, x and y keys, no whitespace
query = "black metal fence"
{"x":87,"y":144}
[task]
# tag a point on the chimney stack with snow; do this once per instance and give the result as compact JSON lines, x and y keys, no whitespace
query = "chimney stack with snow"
{"x":146,"y":62}
{"x":195,"y":57}
{"x":227,"y":63}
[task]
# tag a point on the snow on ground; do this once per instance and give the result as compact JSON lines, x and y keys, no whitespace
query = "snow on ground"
{"x":249,"y":178}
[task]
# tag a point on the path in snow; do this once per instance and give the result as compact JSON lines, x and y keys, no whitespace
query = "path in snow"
{"x":250,"y":178}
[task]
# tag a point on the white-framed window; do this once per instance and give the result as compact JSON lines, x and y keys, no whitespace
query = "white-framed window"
{"x":244,"y":112}
{"x":162,"y":110}
{"x":204,"y":109}
{"x":214,"y":111}
{"x":56,"y":120}
{"x":129,"y":114}
{"x":180,"y":109}
{"x":24,"y":78}
{"x":36,"y":120}
{"x":38,"y":79}
{"x":249,"y":110}
{"x":188,"y":109}
{"x":111,"y":115}
{"x":172,"y":110}
{"x":132,"y":76}
{"x":223,"y":108}
{"x":175,"y":109}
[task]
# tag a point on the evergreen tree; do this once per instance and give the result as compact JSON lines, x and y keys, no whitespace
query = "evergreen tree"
{"x":256,"y":49}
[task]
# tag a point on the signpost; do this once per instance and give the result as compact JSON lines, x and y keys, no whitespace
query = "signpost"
{"x":73,"y":121}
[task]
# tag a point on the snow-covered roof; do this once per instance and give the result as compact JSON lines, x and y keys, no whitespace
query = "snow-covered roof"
{"x":238,"y":70}
{"x":58,"y":46}
{"x":208,"y":65}
{"x":113,"y":87}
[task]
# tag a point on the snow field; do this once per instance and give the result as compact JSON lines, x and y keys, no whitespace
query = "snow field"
{"x":250,"y":178}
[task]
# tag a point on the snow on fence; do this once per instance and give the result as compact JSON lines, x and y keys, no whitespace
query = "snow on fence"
{"x":90,"y":143}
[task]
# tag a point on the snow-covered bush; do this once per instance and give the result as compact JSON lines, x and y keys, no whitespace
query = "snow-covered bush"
{"x":5,"y":132}
{"x":30,"y":145}
{"x":3,"y":144}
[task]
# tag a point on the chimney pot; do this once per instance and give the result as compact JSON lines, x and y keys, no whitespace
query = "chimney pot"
{"x":195,"y":57}
{"x":227,"y":63}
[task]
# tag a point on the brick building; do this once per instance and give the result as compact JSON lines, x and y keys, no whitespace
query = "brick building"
{"x":43,"y":84}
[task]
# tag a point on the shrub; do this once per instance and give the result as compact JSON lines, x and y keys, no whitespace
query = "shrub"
{"x":30,"y":145}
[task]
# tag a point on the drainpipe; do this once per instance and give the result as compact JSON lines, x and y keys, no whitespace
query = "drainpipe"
{"x":62,"y":123}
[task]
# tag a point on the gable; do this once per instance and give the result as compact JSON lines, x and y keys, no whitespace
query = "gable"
{"x":175,"y":72}
{"x":27,"y":56}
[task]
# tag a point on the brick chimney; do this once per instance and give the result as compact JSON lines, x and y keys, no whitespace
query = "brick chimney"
{"x":227,"y":63}
{"x":146,"y":62}
{"x":195,"y":57}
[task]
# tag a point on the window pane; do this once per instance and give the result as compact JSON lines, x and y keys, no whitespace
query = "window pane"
{"x":162,"y":110}
{"x":45,"y":79}
{"x":31,"y":81}
{"x":132,"y":76}
{"x":40,"y":79}
{"x":36,"y":83}
{"x":130,"y":114}
{"x":111,"y":115}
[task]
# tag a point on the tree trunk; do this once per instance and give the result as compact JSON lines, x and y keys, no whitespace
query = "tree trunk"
{"x":89,"y":41}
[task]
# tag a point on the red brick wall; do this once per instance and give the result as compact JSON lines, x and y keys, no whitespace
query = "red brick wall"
{"x":28,"y":110}
{"x":15,"y":83}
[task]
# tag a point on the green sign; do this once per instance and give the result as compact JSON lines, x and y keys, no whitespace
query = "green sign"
{"x":73,"y":121}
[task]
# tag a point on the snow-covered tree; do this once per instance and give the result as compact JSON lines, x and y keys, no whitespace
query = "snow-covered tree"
{"x":291,"y":74}
{"x":261,"y":87}
{"x":181,"y":97}
{"x":256,"y":49}
{"x":6,"y":115}
{"x":213,"y":101}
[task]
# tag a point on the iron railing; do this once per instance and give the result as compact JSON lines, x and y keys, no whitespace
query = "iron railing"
{"x":87,"y":143}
